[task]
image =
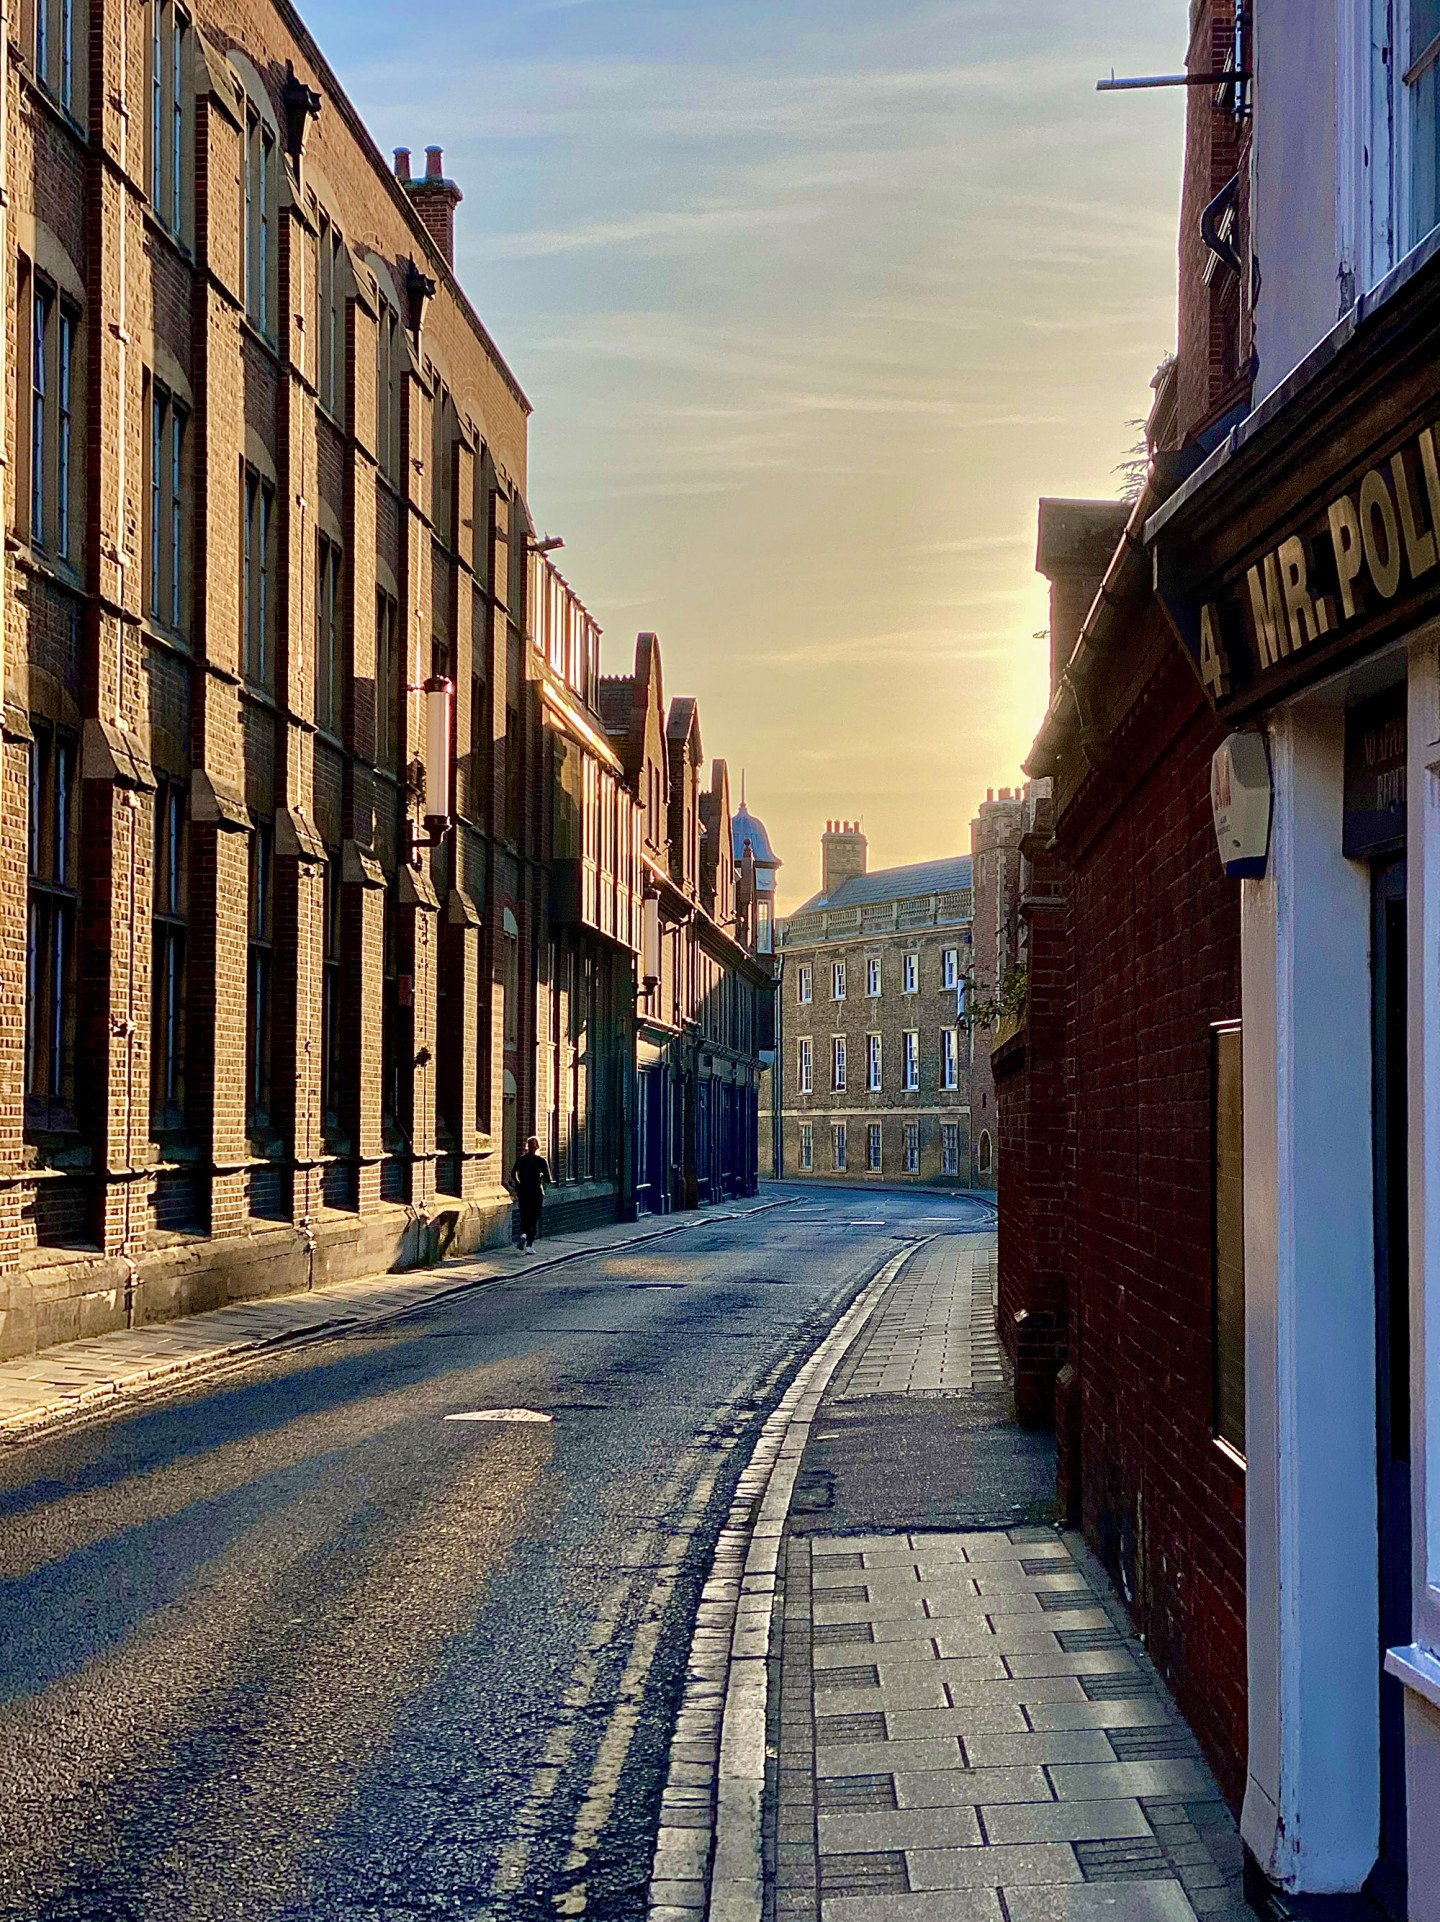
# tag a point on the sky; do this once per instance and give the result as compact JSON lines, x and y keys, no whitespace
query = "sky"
{"x":813,"y":299}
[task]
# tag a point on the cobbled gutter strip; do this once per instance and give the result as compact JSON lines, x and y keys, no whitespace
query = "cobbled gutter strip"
{"x":709,"y":1855}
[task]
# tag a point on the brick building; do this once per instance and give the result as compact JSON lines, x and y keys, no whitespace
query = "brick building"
{"x":871,"y":1034}
{"x":704,"y":985}
{"x":321,"y":882}
{"x":1110,"y":1079}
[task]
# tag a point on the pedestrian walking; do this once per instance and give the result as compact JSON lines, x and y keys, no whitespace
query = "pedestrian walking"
{"x":529,"y":1179}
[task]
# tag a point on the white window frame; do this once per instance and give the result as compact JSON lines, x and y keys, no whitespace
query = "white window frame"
{"x":912,"y":1148}
{"x":837,"y":1063}
{"x":874,"y":1148}
{"x":839,"y":1146}
{"x":874,"y":977}
{"x":837,"y":980}
{"x":950,"y":1147}
{"x":805,"y":1062}
{"x":803,"y":983}
{"x":949,"y":1059}
{"x":950,"y":968}
{"x":874,"y":1062}
{"x":807,"y":1147}
{"x":910,"y":1045}
{"x":910,"y":973}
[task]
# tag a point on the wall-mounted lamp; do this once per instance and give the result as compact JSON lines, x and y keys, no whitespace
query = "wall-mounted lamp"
{"x":436,"y":770}
{"x":301,"y":104}
{"x":548,"y":546}
{"x":419,"y":289}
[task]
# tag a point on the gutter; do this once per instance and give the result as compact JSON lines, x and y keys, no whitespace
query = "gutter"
{"x":1068,"y":718}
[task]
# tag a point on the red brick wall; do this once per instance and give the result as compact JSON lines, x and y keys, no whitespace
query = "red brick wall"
{"x":1214,"y":319}
{"x":1155,"y":932}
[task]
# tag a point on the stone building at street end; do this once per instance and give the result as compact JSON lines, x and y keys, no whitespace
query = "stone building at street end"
{"x":323,"y":881}
{"x":870,"y":1022}
{"x":1221,"y":1111}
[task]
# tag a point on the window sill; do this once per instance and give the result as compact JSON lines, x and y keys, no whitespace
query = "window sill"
{"x":42,"y":97}
{"x":51,"y":567}
{"x":170,"y":638}
{"x":167,"y":236}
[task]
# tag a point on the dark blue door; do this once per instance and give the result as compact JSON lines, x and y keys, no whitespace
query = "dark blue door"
{"x":1392,"y":1351}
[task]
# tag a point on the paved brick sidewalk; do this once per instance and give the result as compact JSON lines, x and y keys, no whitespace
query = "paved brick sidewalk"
{"x":76,"y":1376}
{"x":964,"y":1727}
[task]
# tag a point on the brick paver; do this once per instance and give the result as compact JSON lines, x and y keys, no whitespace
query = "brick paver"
{"x":966,"y":1727}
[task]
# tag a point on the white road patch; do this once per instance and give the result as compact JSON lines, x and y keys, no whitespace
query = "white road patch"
{"x":501,"y":1414}
{"x":865,"y":1224}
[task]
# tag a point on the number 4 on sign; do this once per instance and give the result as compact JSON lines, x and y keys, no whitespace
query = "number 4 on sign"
{"x":1214,"y":662}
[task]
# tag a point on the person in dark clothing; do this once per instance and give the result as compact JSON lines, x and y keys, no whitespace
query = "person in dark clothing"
{"x":529,"y":1179}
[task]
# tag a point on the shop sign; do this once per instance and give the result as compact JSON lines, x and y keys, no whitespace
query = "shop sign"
{"x":1365,"y":558}
{"x":1375,"y":745}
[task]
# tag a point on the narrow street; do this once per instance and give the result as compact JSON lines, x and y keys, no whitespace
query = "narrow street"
{"x":294,"y":1644}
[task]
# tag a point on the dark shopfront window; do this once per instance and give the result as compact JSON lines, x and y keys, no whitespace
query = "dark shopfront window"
{"x":1228,"y":1237}
{"x":330,"y":998}
{"x":167,"y":996}
{"x":260,"y":984}
{"x":53,"y":900}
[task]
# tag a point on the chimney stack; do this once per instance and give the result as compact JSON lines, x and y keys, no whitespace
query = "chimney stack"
{"x":434,"y":198}
{"x":842,"y":855}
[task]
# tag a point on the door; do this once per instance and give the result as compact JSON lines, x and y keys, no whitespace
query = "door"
{"x":1392,"y":1354}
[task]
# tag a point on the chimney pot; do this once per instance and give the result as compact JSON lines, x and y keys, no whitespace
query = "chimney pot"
{"x":989,"y":794}
{"x":402,"y":163}
{"x":433,"y":169}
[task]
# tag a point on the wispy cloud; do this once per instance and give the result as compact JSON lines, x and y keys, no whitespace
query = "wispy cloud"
{"x":814,"y":298}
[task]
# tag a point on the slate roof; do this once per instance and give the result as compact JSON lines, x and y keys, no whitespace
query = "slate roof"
{"x":895,"y":884}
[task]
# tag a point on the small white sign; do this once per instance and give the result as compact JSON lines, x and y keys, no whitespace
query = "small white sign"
{"x":501,"y":1414}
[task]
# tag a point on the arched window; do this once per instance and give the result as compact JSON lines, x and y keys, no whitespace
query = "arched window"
{"x":985,"y":1155}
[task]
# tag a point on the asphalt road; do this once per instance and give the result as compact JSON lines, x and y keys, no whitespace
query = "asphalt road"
{"x":294,"y":1645}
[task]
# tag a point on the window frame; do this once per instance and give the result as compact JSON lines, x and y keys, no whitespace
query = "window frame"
{"x":259,"y":211}
{"x":839,"y":1146}
{"x":837,"y":980}
{"x":329,"y":637}
{"x":260,"y":977}
{"x":910,"y":972}
{"x":166,"y":556}
{"x":1226,"y":1036}
{"x":950,"y":1147}
{"x":331,"y":359}
{"x":168,"y":130}
{"x":912,"y":1147}
{"x":807,"y":1147}
{"x":52,"y":905}
{"x":874,"y":977}
{"x":48,"y":325}
{"x":257,"y":599}
{"x":804,"y":982}
{"x":169,"y":956}
{"x":805,"y":1064}
{"x":949,"y":1060}
{"x":875,"y":1148}
{"x":837,"y":1063}
{"x":874,"y":1062}
{"x":910,"y":1060}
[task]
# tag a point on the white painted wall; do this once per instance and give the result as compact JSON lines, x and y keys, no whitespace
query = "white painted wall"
{"x":1294,"y":180}
{"x":1312,"y":1805}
